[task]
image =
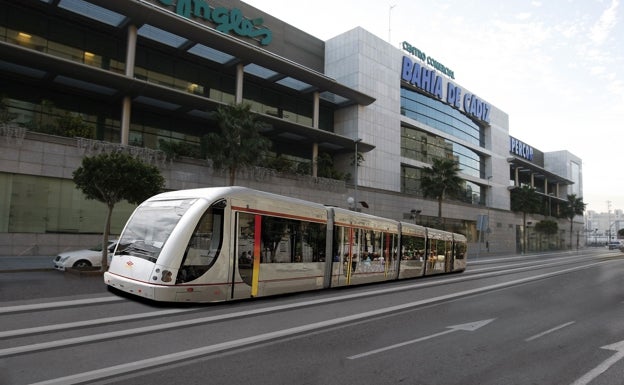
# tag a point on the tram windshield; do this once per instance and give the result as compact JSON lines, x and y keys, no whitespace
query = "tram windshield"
{"x":150,"y":226}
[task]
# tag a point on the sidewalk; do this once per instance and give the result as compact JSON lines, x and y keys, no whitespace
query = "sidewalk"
{"x":26,"y":263}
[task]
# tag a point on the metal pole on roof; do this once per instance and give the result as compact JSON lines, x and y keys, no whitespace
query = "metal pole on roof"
{"x":390,"y":23}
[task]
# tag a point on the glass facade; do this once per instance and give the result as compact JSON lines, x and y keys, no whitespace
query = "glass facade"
{"x":103,"y":47}
{"x":472,"y":193}
{"x":35,"y":204}
{"x":423,"y":146}
{"x":77,"y":108}
{"x":441,"y":116}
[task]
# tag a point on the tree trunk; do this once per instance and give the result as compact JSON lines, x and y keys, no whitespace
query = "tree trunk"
{"x":440,"y":211}
{"x":524,"y":233}
{"x":105,"y":238}
{"x":232,"y":175}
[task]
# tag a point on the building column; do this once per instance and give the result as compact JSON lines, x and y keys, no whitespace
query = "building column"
{"x":315,"y":124}
{"x":314,"y":159}
{"x":240,"y":75}
{"x":126,"y":108}
{"x":316,"y":100}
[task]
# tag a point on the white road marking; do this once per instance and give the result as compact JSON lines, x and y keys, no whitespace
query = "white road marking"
{"x":470,"y":327}
{"x":58,"y":304}
{"x":598,"y":370}
{"x":549,"y":331}
{"x":172,"y":325}
{"x":168,"y":359}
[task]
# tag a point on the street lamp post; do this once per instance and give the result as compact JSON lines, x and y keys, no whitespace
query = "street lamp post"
{"x":414,"y":215}
{"x":488,"y":203}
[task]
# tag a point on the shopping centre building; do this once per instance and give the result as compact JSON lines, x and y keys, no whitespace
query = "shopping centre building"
{"x":84,"y":77}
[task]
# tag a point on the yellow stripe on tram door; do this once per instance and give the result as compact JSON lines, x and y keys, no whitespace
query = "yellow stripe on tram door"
{"x":256,"y":255}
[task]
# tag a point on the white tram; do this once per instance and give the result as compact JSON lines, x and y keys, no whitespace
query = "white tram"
{"x":225,"y":243}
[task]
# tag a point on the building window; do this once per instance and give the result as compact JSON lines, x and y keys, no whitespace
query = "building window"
{"x":425,"y":147}
{"x":471,"y":193}
{"x":440,"y":116}
{"x":57,"y":37}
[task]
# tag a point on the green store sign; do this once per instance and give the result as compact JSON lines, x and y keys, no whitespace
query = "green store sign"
{"x":225,"y":20}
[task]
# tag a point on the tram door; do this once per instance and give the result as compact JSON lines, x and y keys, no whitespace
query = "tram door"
{"x":246,"y":255}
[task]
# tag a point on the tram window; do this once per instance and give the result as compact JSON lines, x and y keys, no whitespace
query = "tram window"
{"x":150,"y":227}
{"x":245,"y":244}
{"x":367,"y":250}
{"x":440,"y":248}
{"x":203,"y":247}
{"x":413,"y":248}
{"x":292,"y":241}
{"x":460,"y":250}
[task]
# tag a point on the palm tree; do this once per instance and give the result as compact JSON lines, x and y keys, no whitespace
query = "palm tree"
{"x":573,"y":207}
{"x":238,"y":143}
{"x":525,"y":200}
{"x":440,"y":180}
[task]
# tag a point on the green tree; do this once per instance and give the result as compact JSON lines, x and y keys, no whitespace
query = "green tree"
{"x":326,"y":169}
{"x":280,"y":163}
{"x":5,"y":115}
{"x":174,"y":149}
{"x":573,"y":207}
{"x":72,"y":125}
{"x":525,"y":200}
{"x":238,"y":143}
{"x":547,"y":227}
{"x":111,"y":178}
{"x":440,"y":181}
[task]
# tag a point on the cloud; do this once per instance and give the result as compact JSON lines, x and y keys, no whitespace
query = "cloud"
{"x":605,"y":24}
{"x":523,"y":16}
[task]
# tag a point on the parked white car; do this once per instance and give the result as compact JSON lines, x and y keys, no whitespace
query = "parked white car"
{"x":83,"y":258}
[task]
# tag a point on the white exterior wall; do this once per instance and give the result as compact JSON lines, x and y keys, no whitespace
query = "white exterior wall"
{"x":563,"y":163}
{"x":363,"y":61}
{"x":369,"y":64}
{"x":497,"y":140}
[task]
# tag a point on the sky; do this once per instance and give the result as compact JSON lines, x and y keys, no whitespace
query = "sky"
{"x":556,"y":67}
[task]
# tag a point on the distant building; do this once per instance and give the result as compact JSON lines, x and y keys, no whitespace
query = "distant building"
{"x":603,"y":227}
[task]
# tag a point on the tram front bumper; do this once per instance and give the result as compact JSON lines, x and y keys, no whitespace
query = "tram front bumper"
{"x":130,"y":286}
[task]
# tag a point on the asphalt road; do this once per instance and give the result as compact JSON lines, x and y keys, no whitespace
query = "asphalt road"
{"x":41,"y":284}
{"x":549,"y":320}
